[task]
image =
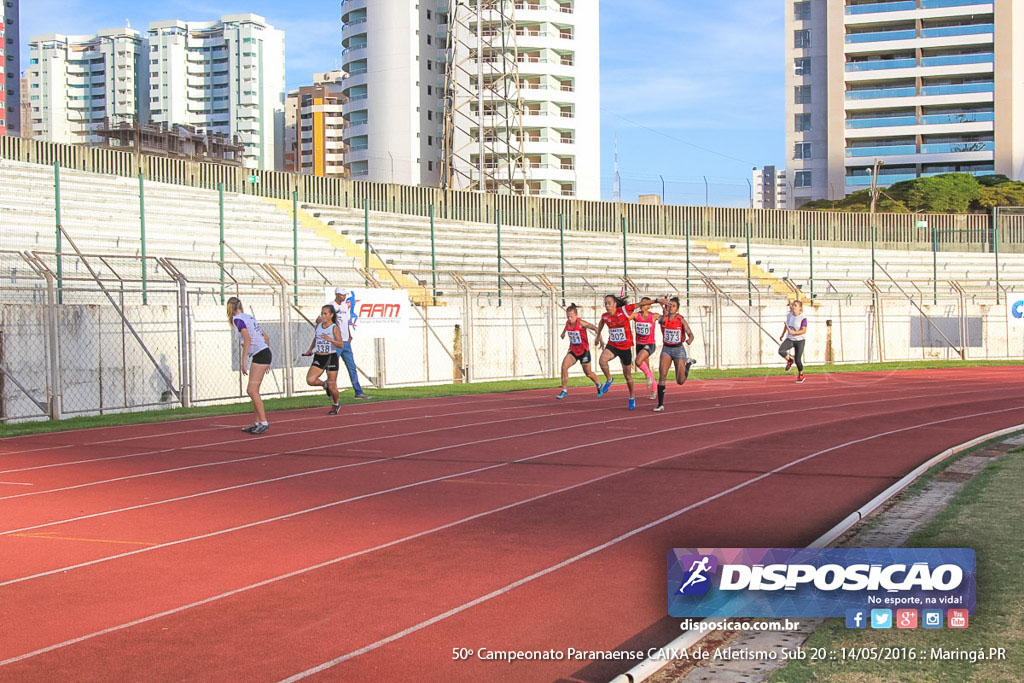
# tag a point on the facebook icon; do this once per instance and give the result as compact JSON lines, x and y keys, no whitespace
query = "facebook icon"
{"x":856,"y":618}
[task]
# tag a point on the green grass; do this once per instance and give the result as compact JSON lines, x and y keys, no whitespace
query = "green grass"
{"x":986,"y":515}
{"x":318,"y":400}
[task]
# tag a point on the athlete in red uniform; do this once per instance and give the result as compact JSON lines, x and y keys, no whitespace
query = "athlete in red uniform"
{"x":674,"y":333}
{"x":620,"y":342}
{"x":579,"y":349}
{"x":646,"y":343}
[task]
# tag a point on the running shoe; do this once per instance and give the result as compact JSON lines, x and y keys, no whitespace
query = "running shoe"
{"x":334,"y":410}
{"x":650,"y":383}
{"x":789,"y":363}
{"x":800,"y":378}
{"x":599,"y":392}
{"x":249,"y":429}
{"x":562,"y":394}
{"x":632,"y":404}
{"x":362,"y":397}
{"x":607,"y":385}
{"x":260,"y":428}
{"x":659,"y":409}
{"x":686,"y":369}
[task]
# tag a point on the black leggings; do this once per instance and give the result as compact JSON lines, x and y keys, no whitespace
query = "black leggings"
{"x":798,"y":351}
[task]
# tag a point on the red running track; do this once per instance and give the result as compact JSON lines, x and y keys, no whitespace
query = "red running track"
{"x":368,"y":546}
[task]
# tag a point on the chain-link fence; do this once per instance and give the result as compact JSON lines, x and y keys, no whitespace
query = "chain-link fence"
{"x":97,"y":341}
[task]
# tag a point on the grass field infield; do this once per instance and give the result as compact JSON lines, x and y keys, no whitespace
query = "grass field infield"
{"x":985,"y":515}
{"x":316,"y":399}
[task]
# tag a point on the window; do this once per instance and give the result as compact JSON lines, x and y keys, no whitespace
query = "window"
{"x":802,"y":94}
{"x":429,"y":66}
{"x":430,"y":115}
{"x":429,"y":40}
{"x":802,"y":38}
{"x":430,"y":140}
{"x":802,"y":150}
{"x":430,"y":90}
{"x":802,"y":179}
{"x":428,"y":14}
{"x":802,"y":123}
{"x":430,"y":165}
{"x":802,"y":66}
{"x":801,"y":11}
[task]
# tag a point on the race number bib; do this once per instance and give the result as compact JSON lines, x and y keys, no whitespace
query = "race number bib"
{"x":643,"y":329}
{"x":617,"y":334}
{"x":673,"y":336}
{"x":575,"y":338}
{"x":322,"y":345}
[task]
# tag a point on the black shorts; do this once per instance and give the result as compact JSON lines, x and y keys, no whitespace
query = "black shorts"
{"x":649,"y":348}
{"x":624,"y":355}
{"x":583,"y":358}
{"x":326,"y":361}
{"x":262,"y":358}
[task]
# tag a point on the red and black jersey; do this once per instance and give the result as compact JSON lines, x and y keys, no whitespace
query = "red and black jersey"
{"x":578,"y":341}
{"x":620,"y":333}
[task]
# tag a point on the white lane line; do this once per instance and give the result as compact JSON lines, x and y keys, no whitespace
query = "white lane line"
{"x":477,"y":601}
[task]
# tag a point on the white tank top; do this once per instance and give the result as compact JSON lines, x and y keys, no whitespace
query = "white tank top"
{"x":244,"y":321}
{"x":323,"y":334}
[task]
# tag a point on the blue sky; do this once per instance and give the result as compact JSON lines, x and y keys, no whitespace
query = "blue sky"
{"x":690,"y":88}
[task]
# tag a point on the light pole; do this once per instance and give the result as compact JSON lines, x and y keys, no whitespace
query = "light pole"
{"x":705,"y":190}
{"x":662,"y":188}
{"x":750,"y":187}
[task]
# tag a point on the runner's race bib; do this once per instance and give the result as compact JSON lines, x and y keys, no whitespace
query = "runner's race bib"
{"x":617,"y":334}
{"x":322,"y":345}
{"x":673,"y":336}
{"x":643,"y":329}
{"x":575,"y":338}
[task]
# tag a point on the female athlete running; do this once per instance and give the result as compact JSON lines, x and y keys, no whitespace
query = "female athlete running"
{"x":255,"y":348}
{"x":326,"y":342}
{"x":674,"y":333}
{"x":620,"y":342}
{"x":579,"y":349}
{"x":646,"y":343}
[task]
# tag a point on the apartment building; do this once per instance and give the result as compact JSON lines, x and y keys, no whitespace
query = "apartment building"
{"x":10,"y":68}
{"x":396,"y":57}
{"x":77,"y":83}
{"x":223,"y":76}
{"x":314,"y":127}
{"x":923,"y":86}
{"x":769,"y":188}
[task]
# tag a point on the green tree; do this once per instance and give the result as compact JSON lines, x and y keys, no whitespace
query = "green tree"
{"x":1004,"y":194}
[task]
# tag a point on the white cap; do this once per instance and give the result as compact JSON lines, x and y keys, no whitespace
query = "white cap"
{"x":339,"y":290}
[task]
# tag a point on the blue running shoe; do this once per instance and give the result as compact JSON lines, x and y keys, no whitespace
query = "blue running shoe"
{"x":607,"y":385}
{"x":562,"y":394}
{"x":632,"y":404}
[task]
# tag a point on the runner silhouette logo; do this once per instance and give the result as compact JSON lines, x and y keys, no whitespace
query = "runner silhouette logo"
{"x":697,"y":581}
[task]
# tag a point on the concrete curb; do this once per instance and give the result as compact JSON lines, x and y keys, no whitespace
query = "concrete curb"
{"x":651,"y":666}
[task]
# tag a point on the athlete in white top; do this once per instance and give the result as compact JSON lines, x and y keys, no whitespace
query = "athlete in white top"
{"x":323,"y":348}
{"x":256,"y":349}
{"x":793,"y":339}
{"x":342,"y":306}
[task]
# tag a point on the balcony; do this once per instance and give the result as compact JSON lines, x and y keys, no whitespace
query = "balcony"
{"x":881,"y":7}
{"x":968,"y":30}
{"x":865,"y":180}
{"x":876,"y":36}
{"x":882,"y":122}
{"x":933,"y":4}
{"x":876,"y":93}
{"x":883,"y":150}
{"x":951,"y":60}
{"x":878,"y":64}
{"x":961,"y":117}
{"x":958,"y":147}
{"x":957,"y":89}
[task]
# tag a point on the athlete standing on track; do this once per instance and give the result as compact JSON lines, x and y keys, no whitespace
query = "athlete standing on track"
{"x":793,"y":339}
{"x":674,"y":333}
{"x":341,"y":308}
{"x":620,"y":342}
{"x":646,"y":342}
{"x":326,"y":342}
{"x":579,"y":349}
{"x":256,"y":348}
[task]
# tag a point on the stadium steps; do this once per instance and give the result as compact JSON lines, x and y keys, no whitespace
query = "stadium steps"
{"x":377,"y":269}
{"x":738,"y":262}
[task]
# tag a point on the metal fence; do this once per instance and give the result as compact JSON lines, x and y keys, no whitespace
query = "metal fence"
{"x":97,"y":343}
{"x":964,"y":232}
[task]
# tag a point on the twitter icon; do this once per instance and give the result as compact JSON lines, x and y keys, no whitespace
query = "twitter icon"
{"x":881,"y":618}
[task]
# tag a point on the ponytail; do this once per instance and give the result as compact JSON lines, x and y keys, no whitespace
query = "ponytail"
{"x":234,"y":303}
{"x":619,"y":301}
